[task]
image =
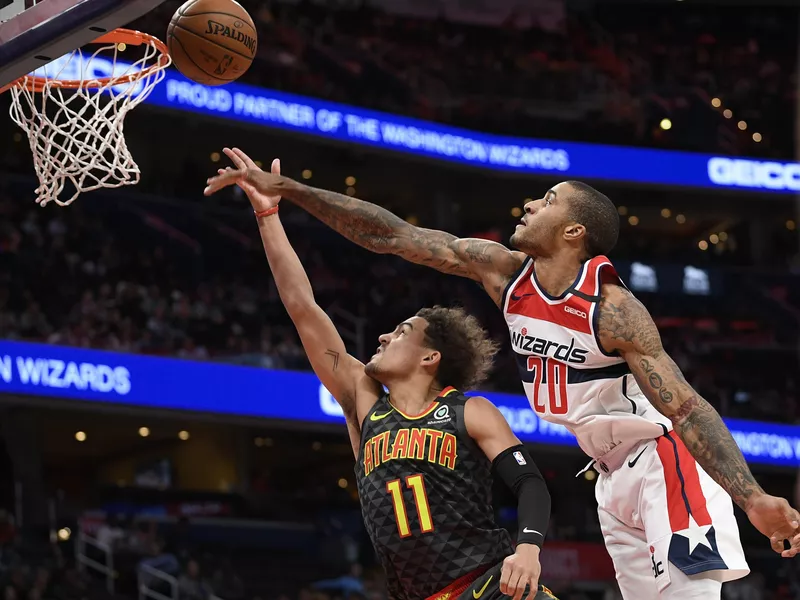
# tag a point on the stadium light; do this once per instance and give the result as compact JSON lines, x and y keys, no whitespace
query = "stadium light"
{"x":666,"y":124}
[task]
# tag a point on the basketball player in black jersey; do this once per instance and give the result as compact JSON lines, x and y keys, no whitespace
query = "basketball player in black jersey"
{"x":425,"y":452}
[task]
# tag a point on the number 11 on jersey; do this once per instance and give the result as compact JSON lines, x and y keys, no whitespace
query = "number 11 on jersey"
{"x":417,"y":485}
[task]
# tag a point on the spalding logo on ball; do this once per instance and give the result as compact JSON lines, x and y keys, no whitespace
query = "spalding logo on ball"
{"x":212,"y":42}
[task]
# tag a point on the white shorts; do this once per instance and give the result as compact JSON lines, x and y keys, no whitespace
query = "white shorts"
{"x":668,"y":526}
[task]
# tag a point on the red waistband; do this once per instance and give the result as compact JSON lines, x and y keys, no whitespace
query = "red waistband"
{"x":455,"y":589}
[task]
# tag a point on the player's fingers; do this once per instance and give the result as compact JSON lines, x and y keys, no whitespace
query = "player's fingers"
{"x":237,"y":160}
{"x":794,"y":547}
{"x":517,"y":585}
{"x":276,"y":166}
{"x":777,"y":543}
{"x":533,"y":588}
{"x":214,"y":184}
{"x":247,"y":160}
{"x":505,"y":576}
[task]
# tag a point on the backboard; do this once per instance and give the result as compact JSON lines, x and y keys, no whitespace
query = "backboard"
{"x":39,"y":31}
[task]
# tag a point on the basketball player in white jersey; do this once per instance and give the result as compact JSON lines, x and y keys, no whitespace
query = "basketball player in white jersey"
{"x":591,"y":359}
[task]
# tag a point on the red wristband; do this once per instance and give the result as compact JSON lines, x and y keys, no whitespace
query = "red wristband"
{"x":266,"y":213}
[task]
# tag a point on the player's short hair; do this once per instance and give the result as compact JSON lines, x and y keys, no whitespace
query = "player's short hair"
{"x":466,"y":348}
{"x":595,"y":211}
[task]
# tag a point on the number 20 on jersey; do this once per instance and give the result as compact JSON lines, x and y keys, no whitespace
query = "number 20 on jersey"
{"x":553,"y":374}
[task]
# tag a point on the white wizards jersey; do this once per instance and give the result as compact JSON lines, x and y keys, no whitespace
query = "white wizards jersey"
{"x":568,"y":377}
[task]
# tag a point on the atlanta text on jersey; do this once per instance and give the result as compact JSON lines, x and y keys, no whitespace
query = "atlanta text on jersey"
{"x":413,"y":444}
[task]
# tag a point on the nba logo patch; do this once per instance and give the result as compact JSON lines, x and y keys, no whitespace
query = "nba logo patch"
{"x":520,"y":458}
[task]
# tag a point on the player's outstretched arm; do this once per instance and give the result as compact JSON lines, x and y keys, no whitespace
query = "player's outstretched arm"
{"x":512,"y":463}
{"x":342,"y":374}
{"x":625,"y":326}
{"x":381,"y":231}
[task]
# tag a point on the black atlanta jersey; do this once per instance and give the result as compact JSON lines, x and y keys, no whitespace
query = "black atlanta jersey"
{"x":426,"y":495}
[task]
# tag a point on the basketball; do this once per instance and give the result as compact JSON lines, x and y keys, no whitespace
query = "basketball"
{"x":212,"y":42}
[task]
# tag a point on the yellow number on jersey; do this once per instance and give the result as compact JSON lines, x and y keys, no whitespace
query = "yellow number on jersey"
{"x":417,"y":485}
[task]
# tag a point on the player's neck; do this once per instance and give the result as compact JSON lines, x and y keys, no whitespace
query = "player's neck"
{"x":557,"y":272}
{"x":413,"y":396}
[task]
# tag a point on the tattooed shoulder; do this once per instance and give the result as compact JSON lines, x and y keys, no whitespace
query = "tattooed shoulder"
{"x":624,"y":323}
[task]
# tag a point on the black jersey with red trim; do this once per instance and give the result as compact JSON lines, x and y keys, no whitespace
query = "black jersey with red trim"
{"x":426,"y":495}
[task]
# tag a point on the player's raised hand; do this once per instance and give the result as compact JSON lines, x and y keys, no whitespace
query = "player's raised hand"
{"x":243,"y":162}
{"x":521,"y":569}
{"x":262,"y":188}
{"x":777,"y":520}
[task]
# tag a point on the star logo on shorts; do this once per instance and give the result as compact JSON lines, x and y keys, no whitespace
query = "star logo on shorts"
{"x":696,"y":534}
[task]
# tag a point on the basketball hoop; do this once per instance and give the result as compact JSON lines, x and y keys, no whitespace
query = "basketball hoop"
{"x":75,"y":126}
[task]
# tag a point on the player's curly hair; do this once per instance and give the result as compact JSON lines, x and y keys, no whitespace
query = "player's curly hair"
{"x":466,"y":348}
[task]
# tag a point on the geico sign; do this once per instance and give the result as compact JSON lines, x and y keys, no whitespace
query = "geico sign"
{"x":754,"y":173}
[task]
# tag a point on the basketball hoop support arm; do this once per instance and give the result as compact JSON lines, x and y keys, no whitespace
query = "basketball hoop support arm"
{"x":33,"y":38}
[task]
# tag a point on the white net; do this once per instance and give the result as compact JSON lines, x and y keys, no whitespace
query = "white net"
{"x":73,"y":111}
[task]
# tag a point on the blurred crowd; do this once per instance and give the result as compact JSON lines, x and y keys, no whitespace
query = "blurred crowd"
{"x":34,"y":571}
{"x":129,"y":279}
{"x":203,"y":575}
{"x":607,"y":74}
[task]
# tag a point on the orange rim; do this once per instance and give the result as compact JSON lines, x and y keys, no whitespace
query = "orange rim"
{"x":118,"y":36}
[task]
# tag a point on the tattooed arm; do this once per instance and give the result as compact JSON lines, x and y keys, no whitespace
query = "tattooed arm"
{"x":625,"y":326}
{"x":342,"y":374}
{"x":381,"y":231}
{"x":378,"y":230}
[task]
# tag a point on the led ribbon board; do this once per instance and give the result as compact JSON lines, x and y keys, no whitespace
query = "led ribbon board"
{"x":565,"y":160}
{"x":151,"y":382}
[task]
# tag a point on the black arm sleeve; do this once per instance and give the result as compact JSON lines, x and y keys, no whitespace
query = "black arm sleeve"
{"x":518,"y":471}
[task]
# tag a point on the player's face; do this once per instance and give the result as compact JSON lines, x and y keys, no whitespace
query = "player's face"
{"x":543,"y":221}
{"x":401,"y":352}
